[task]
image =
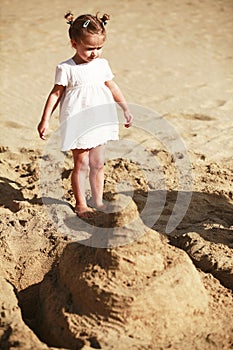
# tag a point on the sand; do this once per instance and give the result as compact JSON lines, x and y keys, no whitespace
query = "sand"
{"x":156,"y":270}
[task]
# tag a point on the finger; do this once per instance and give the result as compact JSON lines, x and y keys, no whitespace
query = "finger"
{"x":42,"y":136}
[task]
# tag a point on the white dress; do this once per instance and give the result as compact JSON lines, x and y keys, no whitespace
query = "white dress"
{"x":88,"y":115}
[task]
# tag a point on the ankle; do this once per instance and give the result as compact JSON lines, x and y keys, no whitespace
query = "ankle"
{"x":80,"y":205}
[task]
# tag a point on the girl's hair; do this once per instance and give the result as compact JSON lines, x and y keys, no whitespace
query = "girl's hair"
{"x":86,"y":24}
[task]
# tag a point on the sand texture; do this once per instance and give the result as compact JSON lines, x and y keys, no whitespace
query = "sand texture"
{"x":155,"y":270}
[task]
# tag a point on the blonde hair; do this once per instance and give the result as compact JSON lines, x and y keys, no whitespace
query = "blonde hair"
{"x":86,"y":24}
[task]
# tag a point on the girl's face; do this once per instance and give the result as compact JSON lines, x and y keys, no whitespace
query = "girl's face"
{"x":89,"y":48}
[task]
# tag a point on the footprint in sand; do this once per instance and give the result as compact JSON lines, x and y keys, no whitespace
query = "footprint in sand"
{"x":227,"y":106}
{"x":197,"y":116}
{"x":202,"y":117}
{"x":214,"y":104}
{"x":13,"y":125}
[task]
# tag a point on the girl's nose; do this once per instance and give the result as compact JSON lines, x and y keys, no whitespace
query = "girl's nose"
{"x":94,"y":53}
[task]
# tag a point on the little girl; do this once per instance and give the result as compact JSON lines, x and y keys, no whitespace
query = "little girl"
{"x":86,"y":92}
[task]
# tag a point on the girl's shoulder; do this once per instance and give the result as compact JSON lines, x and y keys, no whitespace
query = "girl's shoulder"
{"x":102,"y":60}
{"x":102,"y":63}
{"x":69,"y":62}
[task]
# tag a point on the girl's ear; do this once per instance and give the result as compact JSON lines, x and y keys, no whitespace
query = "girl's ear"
{"x":73,"y":43}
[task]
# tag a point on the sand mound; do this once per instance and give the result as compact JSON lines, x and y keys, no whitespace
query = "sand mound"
{"x":209,"y":257}
{"x":13,"y":332}
{"x":133,"y":296}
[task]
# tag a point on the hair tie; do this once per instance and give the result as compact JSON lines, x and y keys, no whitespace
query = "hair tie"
{"x":104,"y":19}
{"x":70,"y":17}
{"x":85,"y":24}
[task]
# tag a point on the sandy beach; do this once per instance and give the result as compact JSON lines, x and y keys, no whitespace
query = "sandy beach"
{"x":156,"y":270}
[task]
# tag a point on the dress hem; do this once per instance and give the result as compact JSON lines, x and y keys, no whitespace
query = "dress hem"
{"x":89,"y":147}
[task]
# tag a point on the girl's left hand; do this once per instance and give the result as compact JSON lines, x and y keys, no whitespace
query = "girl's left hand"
{"x":128,"y":118}
{"x":42,"y":127}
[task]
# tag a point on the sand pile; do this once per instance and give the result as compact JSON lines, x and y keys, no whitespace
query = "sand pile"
{"x":14,"y":332}
{"x":151,"y":291}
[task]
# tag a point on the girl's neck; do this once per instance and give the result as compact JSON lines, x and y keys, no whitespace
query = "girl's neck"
{"x":77,"y":60}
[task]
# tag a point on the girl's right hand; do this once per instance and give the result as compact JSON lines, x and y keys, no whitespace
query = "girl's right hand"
{"x":42,"y":128}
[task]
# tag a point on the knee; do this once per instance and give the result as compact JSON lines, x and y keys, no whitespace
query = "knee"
{"x":81,"y":165}
{"x":96,"y":164}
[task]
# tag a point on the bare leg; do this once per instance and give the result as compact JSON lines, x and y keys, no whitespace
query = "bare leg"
{"x":96,"y":163}
{"x":78,"y":180}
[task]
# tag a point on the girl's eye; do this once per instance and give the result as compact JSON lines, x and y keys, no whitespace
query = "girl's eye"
{"x":98,"y":48}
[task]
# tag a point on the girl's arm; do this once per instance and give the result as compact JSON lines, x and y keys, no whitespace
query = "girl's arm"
{"x":119,"y":98}
{"x":51,"y":104}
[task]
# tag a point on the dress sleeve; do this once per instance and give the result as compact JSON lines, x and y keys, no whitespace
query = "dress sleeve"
{"x":61,"y":76}
{"x":108,"y":72}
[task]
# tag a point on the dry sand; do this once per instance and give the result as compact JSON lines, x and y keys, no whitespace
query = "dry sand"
{"x":148,"y":288}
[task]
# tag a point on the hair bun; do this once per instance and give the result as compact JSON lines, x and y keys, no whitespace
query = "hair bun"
{"x":69,"y":17}
{"x":105,"y":18}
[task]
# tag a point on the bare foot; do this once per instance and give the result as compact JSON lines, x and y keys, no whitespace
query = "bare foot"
{"x":101,"y":207}
{"x":84,"y":212}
